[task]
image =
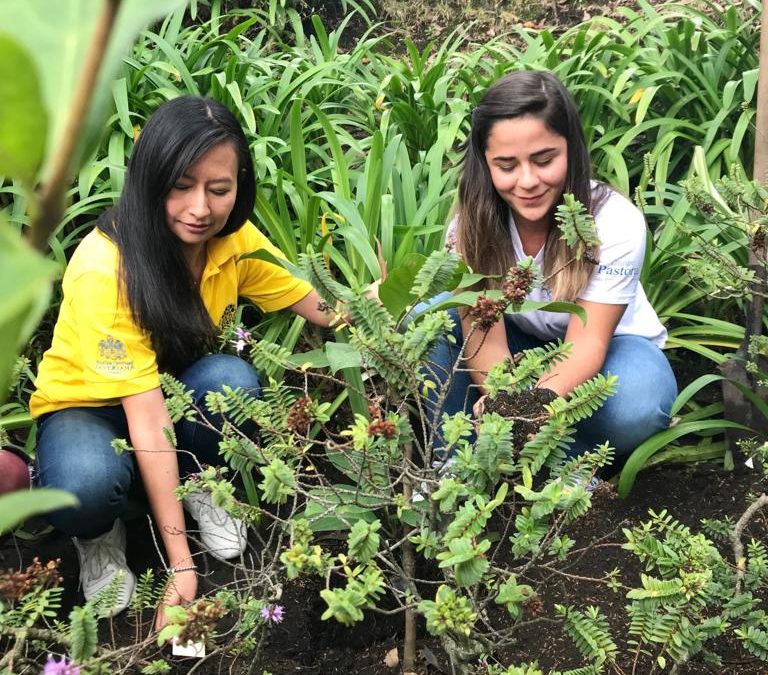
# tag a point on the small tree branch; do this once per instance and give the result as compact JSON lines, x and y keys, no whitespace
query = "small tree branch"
{"x":738,"y":529}
{"x":409,"y":568}
{"x":52,"y":193}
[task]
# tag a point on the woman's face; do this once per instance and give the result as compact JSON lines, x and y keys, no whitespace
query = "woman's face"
{"x":528,"y":164}
{"x":198,"y":205}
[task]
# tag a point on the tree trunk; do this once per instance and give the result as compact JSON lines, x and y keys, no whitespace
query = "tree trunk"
{"x":737,"y":407}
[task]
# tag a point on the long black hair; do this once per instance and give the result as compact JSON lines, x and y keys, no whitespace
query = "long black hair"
{"x":156,"y":279}
{"x":483,"y":216}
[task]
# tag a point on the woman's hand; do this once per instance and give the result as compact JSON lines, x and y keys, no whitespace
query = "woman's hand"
{"x":479,"y":407}
{"x":182,"y":589}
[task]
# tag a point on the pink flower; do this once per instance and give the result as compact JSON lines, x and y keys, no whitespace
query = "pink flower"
{"x":243,"y":338}
{"x":272,"y":613}
{"x":54,"y":667}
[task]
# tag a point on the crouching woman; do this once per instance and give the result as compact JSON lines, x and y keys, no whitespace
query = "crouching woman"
{"x":525,"y":150}
{"x":144,"y":293}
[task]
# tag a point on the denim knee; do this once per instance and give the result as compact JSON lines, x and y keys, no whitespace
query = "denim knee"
{"x":211,"y":372}
{"x":645,"y":392}
{"x":75,"y":454}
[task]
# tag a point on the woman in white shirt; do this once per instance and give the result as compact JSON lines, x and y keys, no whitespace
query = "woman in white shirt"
{"x":525,"y":150}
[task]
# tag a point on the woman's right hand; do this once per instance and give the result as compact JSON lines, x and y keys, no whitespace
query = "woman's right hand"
{"x":182,"y":589}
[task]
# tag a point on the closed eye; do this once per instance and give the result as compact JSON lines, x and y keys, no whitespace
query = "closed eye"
{"x":543,"y":160}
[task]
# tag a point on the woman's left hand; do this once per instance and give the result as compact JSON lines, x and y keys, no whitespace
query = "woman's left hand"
{"x":182,"y":589}
{"x":479,"y":407}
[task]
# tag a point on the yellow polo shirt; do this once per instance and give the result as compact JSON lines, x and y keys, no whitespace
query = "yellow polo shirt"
{"x":99,"y":355}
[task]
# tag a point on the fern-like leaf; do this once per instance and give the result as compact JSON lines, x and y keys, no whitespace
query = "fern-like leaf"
{"x":145,"y":595}
{"x":435,"y":274}
{"x":108,"y":597}
{"x":548,"y":446}
{"x":755,"y":641}
{"x":318,"y":274}
{"x":656,"y":592}
{"x":268,"y":357}
{"x":420,"y":336}
{"x":590,"y":633}
{"x":535,"y":361}
{"x":83,"y":633}
{"x":178,"y":399}
{"x":577,"y":227}
{"x":584,"y":399}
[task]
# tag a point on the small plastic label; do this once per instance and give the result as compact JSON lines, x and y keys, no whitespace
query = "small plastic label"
{"x":195,"y":649}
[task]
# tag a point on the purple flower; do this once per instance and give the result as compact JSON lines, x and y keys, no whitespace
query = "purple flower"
{"x":272,"y":613}
{"x":243,"y":338}
{"x":54,"y":667}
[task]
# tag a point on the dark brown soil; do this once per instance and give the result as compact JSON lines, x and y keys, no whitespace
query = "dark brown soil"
{"x":526,"y":408}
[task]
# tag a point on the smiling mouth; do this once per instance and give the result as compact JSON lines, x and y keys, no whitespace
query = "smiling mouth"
{"x":533,"y":199}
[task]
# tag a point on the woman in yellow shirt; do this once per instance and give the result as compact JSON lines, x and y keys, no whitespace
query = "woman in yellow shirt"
{"x":144,"y":293}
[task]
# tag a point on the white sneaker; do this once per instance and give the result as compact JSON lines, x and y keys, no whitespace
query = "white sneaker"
{"x":577,"y":481}
{"x":102,"y":562}
{"x":225,"y":537}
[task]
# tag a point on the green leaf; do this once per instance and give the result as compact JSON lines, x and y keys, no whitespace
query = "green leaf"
{"x":23,"y":119}
{"x":279,"y":481}
{"x":16,"y":507}
{"x":267,"y":256}
{"x":25,"y":291}
{"x":172,"y":630}
{"x":395,"y":291}
{"x":58,"y":37}
{"x":637,"y":460}
{"x":342,"y":355}
{"x":16,"y":421}
{"x":84,"y":633}
{"x":315,"y":358}
{"x":339,"y":507}
{"x":364,"y":540}
{"x":544,"y":306}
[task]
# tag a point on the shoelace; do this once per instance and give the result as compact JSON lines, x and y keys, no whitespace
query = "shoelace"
{"x":98,"y":556}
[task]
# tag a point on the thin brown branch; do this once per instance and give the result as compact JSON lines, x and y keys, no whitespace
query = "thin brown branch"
{"x":736,"y":543}
{"x":52,"y":193}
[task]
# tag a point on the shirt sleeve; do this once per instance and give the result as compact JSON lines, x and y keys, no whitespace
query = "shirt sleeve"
{"x":118,"y":359}
{"x":271,"y":287}
{"x":622,"y":232}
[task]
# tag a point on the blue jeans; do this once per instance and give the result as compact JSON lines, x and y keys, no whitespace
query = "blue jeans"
{"x":639,"y":407}
{"x":74,"y":450}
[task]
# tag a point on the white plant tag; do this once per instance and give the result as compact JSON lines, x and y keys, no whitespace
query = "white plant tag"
{"x":750,"y":463}
{"x":196,"y":649}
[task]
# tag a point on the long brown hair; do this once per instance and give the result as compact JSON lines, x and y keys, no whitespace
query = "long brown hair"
{"x":483,"y":216}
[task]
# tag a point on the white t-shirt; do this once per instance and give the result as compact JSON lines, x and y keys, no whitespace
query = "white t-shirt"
{"x":616,"y":280}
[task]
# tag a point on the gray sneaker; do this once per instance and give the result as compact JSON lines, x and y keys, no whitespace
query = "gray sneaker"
{"x":225,"y":537}
{"x":102,"y":567}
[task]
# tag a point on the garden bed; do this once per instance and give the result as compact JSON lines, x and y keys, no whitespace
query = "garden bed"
{"x":304,"y":644}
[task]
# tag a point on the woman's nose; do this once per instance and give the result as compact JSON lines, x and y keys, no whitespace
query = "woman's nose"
{"x":198,"y":203}
{"x":528,"y":176}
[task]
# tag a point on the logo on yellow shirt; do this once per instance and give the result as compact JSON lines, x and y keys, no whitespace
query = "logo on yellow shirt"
{"x":113,"y":357}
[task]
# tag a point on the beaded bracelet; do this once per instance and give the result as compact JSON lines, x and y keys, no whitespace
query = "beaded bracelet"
{"x":176,"y":570}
